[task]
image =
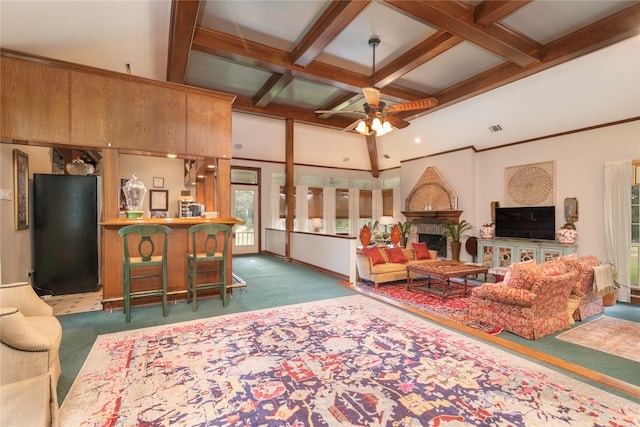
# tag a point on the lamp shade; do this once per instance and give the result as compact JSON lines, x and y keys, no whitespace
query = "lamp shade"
{"x":386,"y":220}
{"x":316,"y":223}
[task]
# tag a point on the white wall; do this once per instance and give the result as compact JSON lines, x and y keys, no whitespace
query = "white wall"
{"x":15,"y":245}
{"x":478,"y":178}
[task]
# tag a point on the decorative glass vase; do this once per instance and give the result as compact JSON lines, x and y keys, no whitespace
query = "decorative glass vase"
{"x":134,"y":192}
{"x":79,"y":167}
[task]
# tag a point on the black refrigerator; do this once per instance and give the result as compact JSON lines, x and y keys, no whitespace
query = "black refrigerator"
{"x":65,"y":235}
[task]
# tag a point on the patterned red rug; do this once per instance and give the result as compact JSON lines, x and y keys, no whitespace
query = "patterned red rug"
{"x":349,"y":361}
{"x":455,"y":309}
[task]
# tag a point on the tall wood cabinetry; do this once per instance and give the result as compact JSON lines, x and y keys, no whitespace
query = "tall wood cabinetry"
{"x":500,"y":252}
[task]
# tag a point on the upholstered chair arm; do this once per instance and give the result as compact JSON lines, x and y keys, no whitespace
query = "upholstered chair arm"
{"x":22,"y":296}
{"x":505,"y":294}
{"x":24,"y":351}
{"x":364,"y":265}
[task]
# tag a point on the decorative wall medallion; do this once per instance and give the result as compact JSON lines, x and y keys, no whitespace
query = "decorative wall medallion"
{"x":530,"y":185}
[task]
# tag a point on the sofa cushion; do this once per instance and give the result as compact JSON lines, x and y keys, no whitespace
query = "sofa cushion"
{"x":396,"y":255}
{"x":389,"y":267}
{"x":515,"y":266}
{"x":410,"y":254}
{"x":421,"y":249}
{"x":374,"y":254}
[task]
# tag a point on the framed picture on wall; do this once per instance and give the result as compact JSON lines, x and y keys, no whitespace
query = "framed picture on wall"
{"x":159,"y":200}
{"x":21,"y":189}
{"x":158,"y":182}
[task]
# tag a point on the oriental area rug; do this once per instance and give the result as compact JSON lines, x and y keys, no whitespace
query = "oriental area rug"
{"x":455,"y":309}
{"x":349,"y":361}
{"x":614,"y":336}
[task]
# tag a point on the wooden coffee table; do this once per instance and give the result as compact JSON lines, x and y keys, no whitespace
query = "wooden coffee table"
{"x":435,"y":277}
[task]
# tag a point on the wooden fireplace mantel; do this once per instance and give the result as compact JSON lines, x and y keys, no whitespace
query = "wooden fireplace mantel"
{"x":451,"y":215}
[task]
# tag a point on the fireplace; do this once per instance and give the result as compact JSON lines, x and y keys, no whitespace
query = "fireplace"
{"x":428,"y":226}
{"x":429,"y":205}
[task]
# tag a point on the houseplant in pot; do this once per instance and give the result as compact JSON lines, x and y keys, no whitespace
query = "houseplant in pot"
{"x":404,"y":232}
{"x":454,"y":232}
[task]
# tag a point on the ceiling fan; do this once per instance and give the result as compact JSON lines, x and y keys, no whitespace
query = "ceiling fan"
{"x":377,"y":119}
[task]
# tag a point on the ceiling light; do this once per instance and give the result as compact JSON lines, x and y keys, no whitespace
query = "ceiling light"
{"x":211,"y":166}
{"x":362,"y":127}
{"x":172,"y":156}
{"x":368,"y":125}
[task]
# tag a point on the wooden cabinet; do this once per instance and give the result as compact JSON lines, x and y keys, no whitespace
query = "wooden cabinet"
{"x":35,"y":102}
{"x":504,"y":252}
{"x":54,"y":102}
{"x":118,"y":113}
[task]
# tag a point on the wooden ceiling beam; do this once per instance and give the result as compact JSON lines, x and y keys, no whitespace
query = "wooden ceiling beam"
{"x":184,"y":15}
{"x":490,"y":12}
{"x":271,"y":89}
{"x":608,"y":31}
{"x":335,"y":18}
{"x":457,"y":20}
{"x":252,"y":54}
{"x":372,"y":148}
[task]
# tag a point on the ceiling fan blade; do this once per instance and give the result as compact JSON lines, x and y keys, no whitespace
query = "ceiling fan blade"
{"x":372,"y":95}
{"x":397,"y":122}
{"x":419,"y":104}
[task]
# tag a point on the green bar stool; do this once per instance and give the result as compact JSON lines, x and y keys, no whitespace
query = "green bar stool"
{"x":209,"y":256}
{"x":150,"y":235}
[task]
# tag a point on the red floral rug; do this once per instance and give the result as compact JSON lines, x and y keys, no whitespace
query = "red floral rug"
{"x":455,"y":309}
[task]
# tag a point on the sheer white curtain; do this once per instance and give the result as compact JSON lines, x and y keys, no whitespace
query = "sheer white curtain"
{"x":397,"y":204}
{"x":618,"y":179}
{"x":302,"y":207}
{"x":354,"y":211}
{"x":329,"y":209}
{"x":376,"y":205}
{"x":274,"y":198}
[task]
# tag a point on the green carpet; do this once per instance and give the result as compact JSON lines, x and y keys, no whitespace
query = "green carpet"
{"x":273,"y":282}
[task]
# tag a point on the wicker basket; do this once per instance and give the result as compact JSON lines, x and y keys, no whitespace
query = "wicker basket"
{"x":610,"y":299}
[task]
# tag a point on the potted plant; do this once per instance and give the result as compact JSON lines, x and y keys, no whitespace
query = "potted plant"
{"x":404,"y":232}
{"x":454,"y":232}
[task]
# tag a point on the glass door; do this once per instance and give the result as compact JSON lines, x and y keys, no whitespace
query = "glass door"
{"x":245,"y":207}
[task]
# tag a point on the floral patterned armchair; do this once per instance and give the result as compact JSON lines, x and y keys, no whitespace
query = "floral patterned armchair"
{"x":533,"y":304}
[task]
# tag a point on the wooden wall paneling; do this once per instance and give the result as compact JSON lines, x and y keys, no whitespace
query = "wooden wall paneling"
{"x":223,"y":188}
{"x":110,"y":184}
{"x":209,"y":129}
{"x":118,"y":113}
{"x":35,"y":101}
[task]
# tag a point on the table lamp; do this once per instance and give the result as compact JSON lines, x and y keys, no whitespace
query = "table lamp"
{"x":316,"y":223}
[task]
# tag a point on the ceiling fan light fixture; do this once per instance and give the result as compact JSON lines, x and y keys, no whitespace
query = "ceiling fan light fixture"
{"x":371,"y":95}
{"x":376,"y":124}
{"x":386,"y":127}
{"x":362,"y":127}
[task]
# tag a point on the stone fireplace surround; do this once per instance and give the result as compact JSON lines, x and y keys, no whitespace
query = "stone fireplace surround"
{"x":428,"y":226}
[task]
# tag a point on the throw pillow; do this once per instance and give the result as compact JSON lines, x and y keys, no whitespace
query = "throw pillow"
{"x":374,"y":254}
{"x":516,"y":266}
{"x":396,"y":255}
{"x":568,"y":257}
{"x":421,"y":249}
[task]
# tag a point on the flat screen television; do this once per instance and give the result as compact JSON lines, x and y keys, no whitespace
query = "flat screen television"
{"x":529,"y":222}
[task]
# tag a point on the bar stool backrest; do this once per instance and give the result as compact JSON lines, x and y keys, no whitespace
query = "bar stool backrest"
{"x":213,"y":245}
{"x":146,"y":246}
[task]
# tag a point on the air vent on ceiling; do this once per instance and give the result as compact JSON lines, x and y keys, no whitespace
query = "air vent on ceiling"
{"x":495,"y":128}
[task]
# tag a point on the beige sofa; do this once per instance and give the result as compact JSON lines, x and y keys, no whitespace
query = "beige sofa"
{"x":30,"y":339}
{"x":389,"y":271}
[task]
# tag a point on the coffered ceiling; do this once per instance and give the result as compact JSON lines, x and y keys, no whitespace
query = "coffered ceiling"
{"x":287,"y":59}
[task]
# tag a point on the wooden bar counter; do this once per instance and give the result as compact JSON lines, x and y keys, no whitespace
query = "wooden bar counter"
{"x":179,"y":243}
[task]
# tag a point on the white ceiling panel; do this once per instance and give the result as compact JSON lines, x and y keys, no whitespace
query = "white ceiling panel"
{"x":546,"y":20}
{"x":274,"y":23}
{"x":224,"y":76}
{"x":455,"y":65}
{"x":396,"y":31}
